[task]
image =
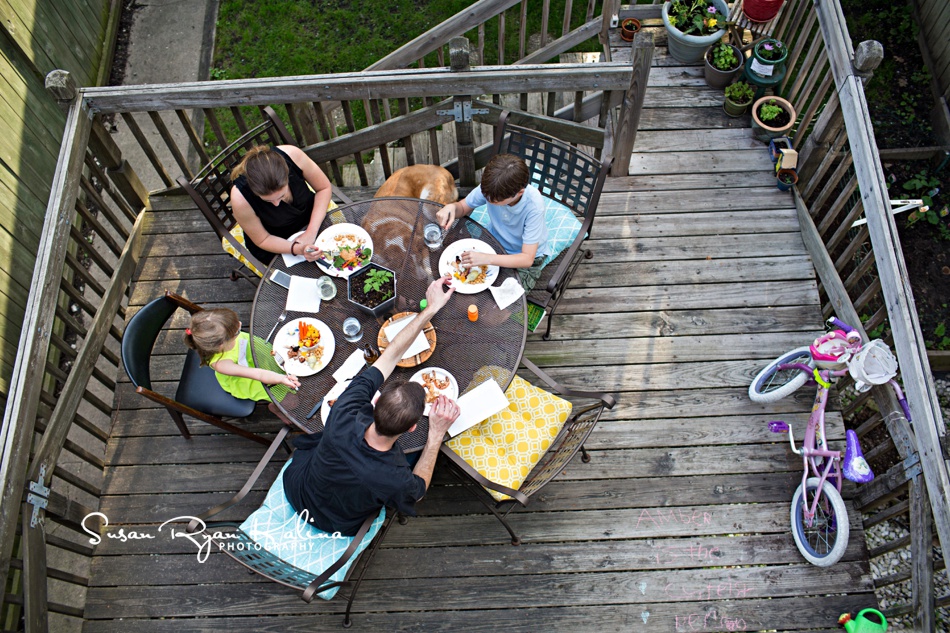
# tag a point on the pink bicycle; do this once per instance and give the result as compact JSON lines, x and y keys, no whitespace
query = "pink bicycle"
{"x":819,"y":519}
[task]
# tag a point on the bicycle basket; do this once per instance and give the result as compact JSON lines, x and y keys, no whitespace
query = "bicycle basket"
{"x":873,"y":365}
{"x":830,"y":351}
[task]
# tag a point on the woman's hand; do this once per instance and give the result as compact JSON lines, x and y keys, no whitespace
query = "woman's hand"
{"x":312,"y":253}
{"x":474,"y":258}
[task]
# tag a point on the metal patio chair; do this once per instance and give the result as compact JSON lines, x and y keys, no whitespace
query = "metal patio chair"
{"x":314,"y":563}
{"x":511,"y":456}
{"x":199,"y":394}
{"x":211,"y":191}
{"x":567,"y":176}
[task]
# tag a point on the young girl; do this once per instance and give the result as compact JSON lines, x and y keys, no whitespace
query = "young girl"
{"x":217,"y":337}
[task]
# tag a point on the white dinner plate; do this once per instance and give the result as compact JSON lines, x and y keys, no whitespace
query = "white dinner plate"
{"x":452,"y":391}
{"x":330,"y":241}
{"x":335,"y":392}
{"x":457,"y":248}
{"x":289,"y":335}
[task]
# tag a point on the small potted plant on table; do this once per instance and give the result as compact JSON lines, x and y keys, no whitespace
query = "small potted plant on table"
{"x":772,"y":117}
{"x":723,"y":63}
{"x":628,"y":28}
{"x":768,"y":58}
{"x":738,"y":97}
{"x":373,"y":289}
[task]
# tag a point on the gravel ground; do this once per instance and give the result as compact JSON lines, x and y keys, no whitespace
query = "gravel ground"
{"x":898,"y":561}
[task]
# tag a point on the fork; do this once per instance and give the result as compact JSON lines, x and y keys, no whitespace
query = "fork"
{"x":280,"y":319}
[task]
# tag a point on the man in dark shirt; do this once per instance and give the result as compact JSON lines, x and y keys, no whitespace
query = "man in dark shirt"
{"x":354,"y":468}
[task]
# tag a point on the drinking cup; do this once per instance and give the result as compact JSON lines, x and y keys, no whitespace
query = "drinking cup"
{"x":432,"y":234}
{"x":352,"y":331}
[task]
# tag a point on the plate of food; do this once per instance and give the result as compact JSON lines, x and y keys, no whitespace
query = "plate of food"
{"x":467,"y":281}
{"x":437,"y":382}
{"x":306,"y":346}
{"x":330,"y":399}
{"x":346,"y":248}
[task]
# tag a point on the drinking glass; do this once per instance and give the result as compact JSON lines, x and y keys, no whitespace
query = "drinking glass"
{"x":432,"y":234}
{"x":352,"y":331}
{"x":326,"y":288}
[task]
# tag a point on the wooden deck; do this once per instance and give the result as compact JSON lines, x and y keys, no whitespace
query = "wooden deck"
{"x":679,"y":522}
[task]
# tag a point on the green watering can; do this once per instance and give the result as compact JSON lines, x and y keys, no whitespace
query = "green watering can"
{"x":866,"y":621}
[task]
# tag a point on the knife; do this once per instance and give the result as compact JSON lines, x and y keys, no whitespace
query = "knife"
{"x":315,"y":408}
{"x":318,"y":262}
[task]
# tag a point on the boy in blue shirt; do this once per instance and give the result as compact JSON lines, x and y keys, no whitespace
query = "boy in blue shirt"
{"x":516,"y":211}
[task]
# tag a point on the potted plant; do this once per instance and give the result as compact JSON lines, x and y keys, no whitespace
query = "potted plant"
{"x":772,"y":117}
{"x":761,"y":10}
{"x":776,"y":145}
{"x":738,"y":97}
{"x":723,"y":63}
{"x":628,"y":28}
{"x":373,"y":289}
{"x":768,"y":58}
{"x":692,"y":26}
{"x":785,"y":178}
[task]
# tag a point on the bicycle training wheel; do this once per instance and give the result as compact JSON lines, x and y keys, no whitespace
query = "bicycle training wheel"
{"x":823,"y":542}
{"x":772,"y":384}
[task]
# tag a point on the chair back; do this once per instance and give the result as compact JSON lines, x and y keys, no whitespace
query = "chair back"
{"x":139,"y":339}
{"x":560,"y":171}
{"x":211,"y":188}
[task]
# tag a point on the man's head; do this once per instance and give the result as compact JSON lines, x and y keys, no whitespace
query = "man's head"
{"x":504,"y":178}
{"x":399,"y":408}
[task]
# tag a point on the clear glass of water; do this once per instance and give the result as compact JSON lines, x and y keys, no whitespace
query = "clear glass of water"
{"x":326,"y":288}
{"x":352,"y":331}
{"x":432,"y":234}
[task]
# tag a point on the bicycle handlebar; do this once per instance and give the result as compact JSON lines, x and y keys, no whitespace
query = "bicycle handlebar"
{"x":841,"y":325}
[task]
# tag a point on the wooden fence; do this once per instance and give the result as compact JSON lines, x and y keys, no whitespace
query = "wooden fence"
{"x":864,"y":280}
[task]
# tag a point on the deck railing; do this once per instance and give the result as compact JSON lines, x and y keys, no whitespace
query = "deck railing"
{"x":864,"y":280}
{"x":58,"y":415}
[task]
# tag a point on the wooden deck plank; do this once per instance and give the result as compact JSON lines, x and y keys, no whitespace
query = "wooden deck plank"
{"x":680,"y":520}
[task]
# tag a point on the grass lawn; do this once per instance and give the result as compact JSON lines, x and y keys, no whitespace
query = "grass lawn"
{"x":271,"y":38}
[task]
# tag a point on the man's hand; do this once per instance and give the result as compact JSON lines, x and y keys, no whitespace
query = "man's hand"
{"x":443,"y":413}
{"x":446,"y":216}
{"x":436,"y":297}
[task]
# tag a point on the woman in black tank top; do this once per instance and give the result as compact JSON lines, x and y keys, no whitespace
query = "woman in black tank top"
{"x":271,"y":200}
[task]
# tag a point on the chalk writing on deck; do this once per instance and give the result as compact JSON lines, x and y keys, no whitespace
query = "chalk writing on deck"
{"x":659,"y":517}
{"x":710,"y":621}
{"x":710,"y":591}
{"x":696,"y":552}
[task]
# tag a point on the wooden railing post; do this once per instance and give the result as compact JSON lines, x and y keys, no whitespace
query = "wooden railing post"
{"x":464,"y":135}
{"x":629,"y":118}
{"x":867,"y":58}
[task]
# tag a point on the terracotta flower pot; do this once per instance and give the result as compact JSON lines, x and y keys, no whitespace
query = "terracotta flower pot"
{"x":761,"y":10}
{"x":785,"y":179}
{"x":628,"y":28}
{"x":766,"y":131}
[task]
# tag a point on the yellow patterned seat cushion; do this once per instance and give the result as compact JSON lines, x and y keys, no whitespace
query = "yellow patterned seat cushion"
{"x":508,"y":445}
{"x":238,"y":233}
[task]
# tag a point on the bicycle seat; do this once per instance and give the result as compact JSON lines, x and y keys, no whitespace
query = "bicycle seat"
{"x":855,"y":467}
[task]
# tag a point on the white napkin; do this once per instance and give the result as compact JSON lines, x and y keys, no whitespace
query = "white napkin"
{"x":421,"y":344}
{"x":350,"y":366}
{"x":290,"y":260}
{"x":303,"y":295}
{"x":477,"y":405}
{"x":507,"y":293}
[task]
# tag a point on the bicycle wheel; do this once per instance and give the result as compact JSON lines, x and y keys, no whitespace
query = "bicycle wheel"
{"x":772,"y":384}
{"x":824,"y":541}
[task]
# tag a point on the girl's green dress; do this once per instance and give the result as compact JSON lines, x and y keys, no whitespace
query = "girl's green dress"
{"x":248,"y":388}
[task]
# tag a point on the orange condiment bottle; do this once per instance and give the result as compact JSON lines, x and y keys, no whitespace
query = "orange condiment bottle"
{"x":473,"y":312}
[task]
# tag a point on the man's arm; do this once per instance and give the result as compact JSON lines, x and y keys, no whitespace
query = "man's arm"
{"x":436,"y":298}
{"x":443,"y":413}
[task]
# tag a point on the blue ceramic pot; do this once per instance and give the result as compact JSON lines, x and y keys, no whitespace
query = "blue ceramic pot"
{"x":690,"y":49}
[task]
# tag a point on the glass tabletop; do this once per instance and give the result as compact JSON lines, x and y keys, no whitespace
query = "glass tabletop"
{"x":490,"y":347}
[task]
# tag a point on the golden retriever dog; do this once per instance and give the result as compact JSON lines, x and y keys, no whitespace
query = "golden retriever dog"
{"x":393,"y":223}
{"x":429,"y":182}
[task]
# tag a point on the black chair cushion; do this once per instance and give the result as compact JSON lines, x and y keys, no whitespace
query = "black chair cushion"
{"x":200,"y":389}
{"x":139,"y":338}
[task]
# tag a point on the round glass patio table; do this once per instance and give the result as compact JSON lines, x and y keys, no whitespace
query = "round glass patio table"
{"x":490,"y":347}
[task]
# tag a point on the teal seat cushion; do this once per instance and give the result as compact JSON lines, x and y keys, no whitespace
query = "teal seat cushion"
{"x":563,"y":226}
{"x":280,"y":531}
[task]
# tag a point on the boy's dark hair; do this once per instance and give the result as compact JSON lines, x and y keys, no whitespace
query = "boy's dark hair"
{"x":398,"y":408}
{"x":504,"y":176}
